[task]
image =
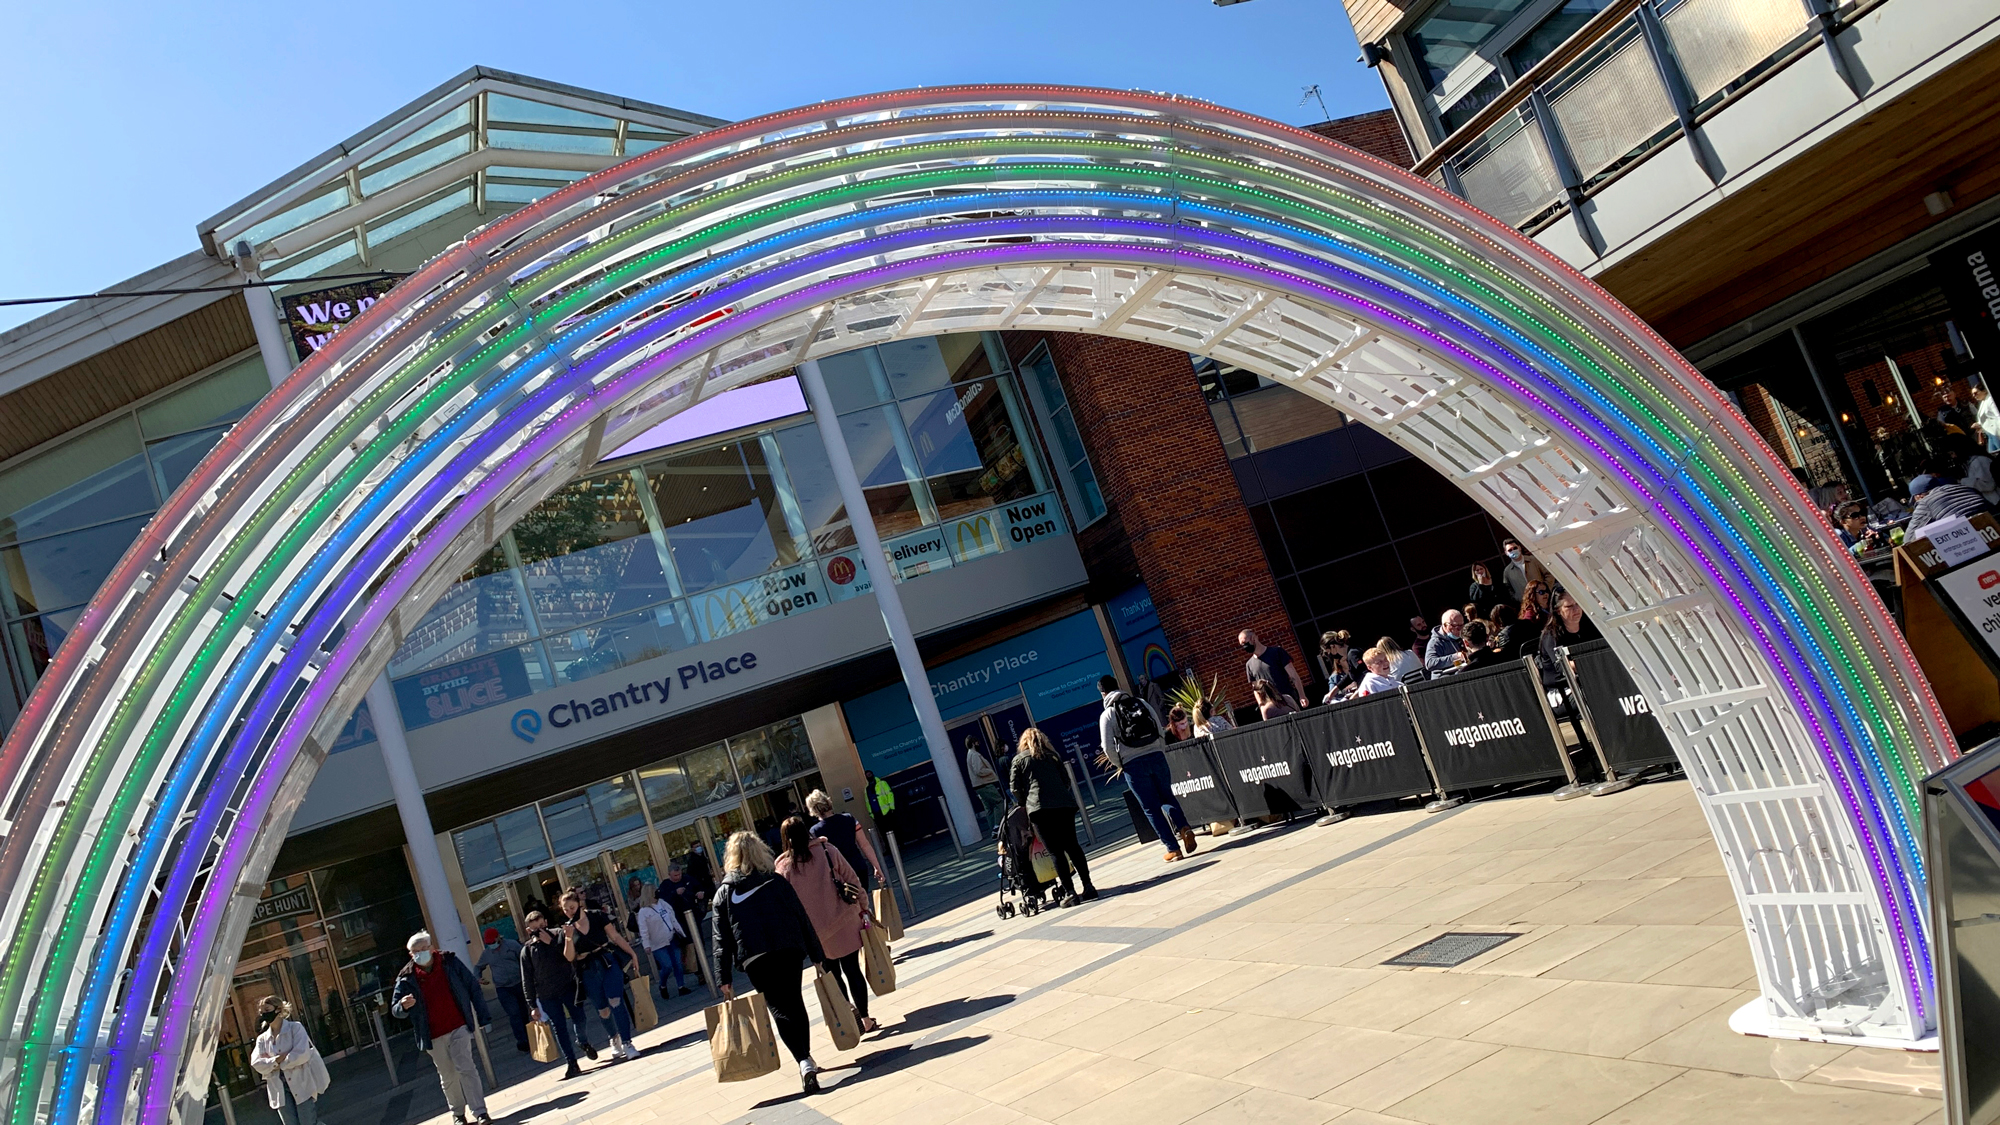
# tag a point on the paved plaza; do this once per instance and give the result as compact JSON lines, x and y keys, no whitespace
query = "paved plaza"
{"x":1247,"y":986}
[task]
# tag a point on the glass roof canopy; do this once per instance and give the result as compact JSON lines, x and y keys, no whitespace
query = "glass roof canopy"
{"x":403,"y":189}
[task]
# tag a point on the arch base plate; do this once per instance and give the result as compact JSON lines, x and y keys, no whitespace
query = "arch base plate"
{"x":1754,"y":1018}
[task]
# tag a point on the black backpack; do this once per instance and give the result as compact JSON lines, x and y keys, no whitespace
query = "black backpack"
{"x":1135,"y":724}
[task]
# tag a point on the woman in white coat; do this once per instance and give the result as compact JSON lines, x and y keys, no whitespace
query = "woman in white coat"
{"x":294,"y":1074}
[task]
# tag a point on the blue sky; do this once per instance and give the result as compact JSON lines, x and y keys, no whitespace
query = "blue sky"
{"x":129,"y":122}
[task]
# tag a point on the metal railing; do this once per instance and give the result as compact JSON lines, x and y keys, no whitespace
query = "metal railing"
{"x":1637,"y":77}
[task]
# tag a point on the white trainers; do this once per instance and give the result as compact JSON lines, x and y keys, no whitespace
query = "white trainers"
{"x":626,"y":1050}
{"x":808,"y":1066}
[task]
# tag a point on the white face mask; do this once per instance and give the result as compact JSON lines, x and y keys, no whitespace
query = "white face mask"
{"x":1513,"y":554}
{"x":423,"y":957}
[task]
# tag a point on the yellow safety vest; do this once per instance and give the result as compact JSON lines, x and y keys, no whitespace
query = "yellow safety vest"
{"x":885,"y":797}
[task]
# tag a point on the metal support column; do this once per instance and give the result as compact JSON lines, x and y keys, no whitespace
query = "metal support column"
{"x":447,"y":931}
{"x":958,"y":799}
{"x":1664,"y":64}
{"x":1552,"y":138}
{"x":264,"y":318}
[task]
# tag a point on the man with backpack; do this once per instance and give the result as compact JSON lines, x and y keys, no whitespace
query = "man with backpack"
{"x":1129,"y":732}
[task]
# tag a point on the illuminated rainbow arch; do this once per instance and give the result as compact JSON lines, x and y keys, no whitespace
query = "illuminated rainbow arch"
{"x":153,"y":773}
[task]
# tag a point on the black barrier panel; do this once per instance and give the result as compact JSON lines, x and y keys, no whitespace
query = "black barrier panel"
{"x":1197,"y":784}
{"x":1486,"y":728}
{"x":1628,"y":733}
{"x":1140,"y":824}
{"x":1364,"y":750}
{"x":1265,"y":768}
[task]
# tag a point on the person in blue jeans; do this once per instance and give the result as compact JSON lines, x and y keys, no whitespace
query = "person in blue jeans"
{"x":588,"y":936}
{"x":1129,"y":732}
{"x":662,"y":934}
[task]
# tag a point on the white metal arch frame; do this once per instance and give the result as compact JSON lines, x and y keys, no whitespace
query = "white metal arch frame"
{"x":152,"y":775}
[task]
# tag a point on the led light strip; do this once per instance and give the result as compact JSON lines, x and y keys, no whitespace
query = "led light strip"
{"x":1289,"y":211}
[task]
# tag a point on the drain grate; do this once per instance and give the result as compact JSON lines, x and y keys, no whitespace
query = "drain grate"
{"x":1446,"y":950}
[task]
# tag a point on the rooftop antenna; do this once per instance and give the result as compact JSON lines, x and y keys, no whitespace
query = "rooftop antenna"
{"x":1312,"y":92}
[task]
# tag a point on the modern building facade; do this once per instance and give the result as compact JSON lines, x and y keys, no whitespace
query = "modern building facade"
{"x":1797,"y":194}
{"x":677,"y":645}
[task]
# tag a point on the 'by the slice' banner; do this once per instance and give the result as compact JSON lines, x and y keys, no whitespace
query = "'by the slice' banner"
{"x":1197,"y":784}
{"x":1264,"y":768}
{"x":1364,"y":750}
{"x":1486,"y":728}
{"x":1630,"y":732}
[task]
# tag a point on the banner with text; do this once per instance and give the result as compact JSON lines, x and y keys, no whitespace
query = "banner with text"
{"x":1628,"y":733}
{"x":461,"y":686}
{"x":1362,"y":750}
{"x":1486,"y":728}
{"x":314,"y":317}
{"x":1197,"y":782}
{"x":1265,"y":767}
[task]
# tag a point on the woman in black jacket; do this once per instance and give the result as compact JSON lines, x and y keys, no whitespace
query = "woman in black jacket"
{"x":760,"y":925}
{"x":1041,"y":785}
{"x":1567,"y":627}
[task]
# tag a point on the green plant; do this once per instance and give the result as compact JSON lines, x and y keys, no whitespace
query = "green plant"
{"x":1189,"y":693}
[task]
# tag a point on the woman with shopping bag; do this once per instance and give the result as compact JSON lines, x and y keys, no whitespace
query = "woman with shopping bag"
{"x":294,"y":1074}
{"x":760,"y":925}
{"x":830,"y":891}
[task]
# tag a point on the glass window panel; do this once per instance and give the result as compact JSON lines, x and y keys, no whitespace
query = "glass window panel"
{"x":175,"y":457}
{"x":521,"y":838}
{"x":554,"y":176}
{"x":480,"y":855}
{"x":635,"y":146}
{"x":410,"y":220}
{"x":586,"y":875}
{"x":502,"y":107}
{"x":222,"y":397}
{"x":755,"y":763}
{"x":813,"y":486}
{"x":723,"y":517}
{"x":615,"y":804}
{"x":480,"y":614}
{"x":1551,"y":32}
{"x":459,"y":118}
{"x":64,"y":570}
{"x":971,"y":454}
{"x":38,"y":638}
{"x":516,"y":193}
{"x":570,"y":823}
{"x":633,"y":866}
{"x":791,"y":748}
{"x":710,"y":775}
{"x":94,"y":477}
{"x":918,"y":366}
{"x":318,"y":260}
{"x":1454,"y":32}
{"x":1275,"y":415}
{"x":855,"y":379}
{"x":414,"y":164}
{"x":1045,"y":389}
{"x":534,"y":141}
{"x":326,"y":203}
{"x":587,"y":554}
{"x":640,"y":635}
{"x":667,"y":791}
{"x":887,"y":465}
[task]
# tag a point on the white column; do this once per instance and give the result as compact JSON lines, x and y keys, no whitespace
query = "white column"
{"x":264,"y":319}
{"x":957,"y":798}
{"x":389,"y":734}
{"x":432,"y":886}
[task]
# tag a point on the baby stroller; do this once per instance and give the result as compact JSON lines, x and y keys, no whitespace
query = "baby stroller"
{"x":1026,"y":868}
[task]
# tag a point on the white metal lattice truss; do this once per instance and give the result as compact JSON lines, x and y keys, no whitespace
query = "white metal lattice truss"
{"x":156,"y":768}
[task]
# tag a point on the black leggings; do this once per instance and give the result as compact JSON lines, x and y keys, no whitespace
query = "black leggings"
{"x":855,"y":984}
{"x":776,"y":975}
{"x":1057,"y":828}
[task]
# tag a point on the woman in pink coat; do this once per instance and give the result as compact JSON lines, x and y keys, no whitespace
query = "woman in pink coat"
{"x":817,"y":871}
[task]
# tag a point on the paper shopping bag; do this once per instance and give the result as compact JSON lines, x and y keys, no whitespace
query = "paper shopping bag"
{"x":542,"y":1045}
{"x":875,"y":961}
{"x":841,"y":1023}
{"x":645,"y":1016}
{"x":886,"y":914}
{"x":741,"y":1040}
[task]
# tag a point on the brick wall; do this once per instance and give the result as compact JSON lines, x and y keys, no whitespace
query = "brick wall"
{"x":1378,"y":134}
{"x":1176,"y":516}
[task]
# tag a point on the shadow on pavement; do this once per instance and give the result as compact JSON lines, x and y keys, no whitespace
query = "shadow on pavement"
{"x":949,"y":1012}
{"x":556,"y":1104}
{"x":940,"y":946}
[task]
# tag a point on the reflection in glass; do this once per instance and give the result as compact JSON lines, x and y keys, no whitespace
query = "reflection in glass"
{"x":710,"y":775}
{"x":608,"y":645}
{"x":814,"y":489}
{"x":891,"y":476}
{"x":175,"y":457}
{"x":586,"y":554}
{"x":89,"y":479}
{"x":1045,"y":389}
{"x":667,"y":791}
{"x":755,"y":763}
{"x":64,"y":570}
{"x":220,"y":398}
{"x":480,"y":614}
{"x":967,"y":441}
{"x":632,"y":864}
{"x":722,"y":515}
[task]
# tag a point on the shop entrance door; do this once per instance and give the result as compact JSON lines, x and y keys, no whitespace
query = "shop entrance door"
{"x":995,"y":733}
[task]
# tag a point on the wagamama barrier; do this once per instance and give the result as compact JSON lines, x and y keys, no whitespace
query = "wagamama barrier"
{"x":150,"y":779}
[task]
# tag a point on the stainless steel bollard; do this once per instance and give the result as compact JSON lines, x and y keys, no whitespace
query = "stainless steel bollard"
{"x":903,"y":875}
{"x":701,"y":953}
{"x":382,"y":1041}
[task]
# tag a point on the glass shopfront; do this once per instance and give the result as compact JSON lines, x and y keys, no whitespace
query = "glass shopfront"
{"x":625,"y":829}
{"x":679,"y":548}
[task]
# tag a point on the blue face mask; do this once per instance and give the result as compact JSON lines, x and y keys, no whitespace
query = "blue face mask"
{"x":423,"y":958}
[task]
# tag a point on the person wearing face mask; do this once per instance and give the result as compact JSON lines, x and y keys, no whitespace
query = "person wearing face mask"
{"x":294,"y":1074}
{"x":443,"y":1002}
{"x":1521,"y":569}
{"x":549,"y":979}
{"x":502,"y":958}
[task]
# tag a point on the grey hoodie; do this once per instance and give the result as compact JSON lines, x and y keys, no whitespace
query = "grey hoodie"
{"x":1107,"y":732}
